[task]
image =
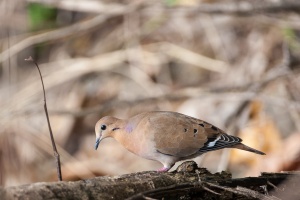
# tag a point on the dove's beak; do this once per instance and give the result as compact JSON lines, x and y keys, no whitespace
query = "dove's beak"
{"x":98,"y":139}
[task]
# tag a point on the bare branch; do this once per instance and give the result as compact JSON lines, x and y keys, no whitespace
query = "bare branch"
{"x":56,"y":154}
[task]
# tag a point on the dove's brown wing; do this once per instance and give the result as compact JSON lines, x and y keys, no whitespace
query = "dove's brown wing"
{"x":181,"y":136}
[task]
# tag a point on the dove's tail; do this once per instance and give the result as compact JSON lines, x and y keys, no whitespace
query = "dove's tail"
{"x":246,"y":148}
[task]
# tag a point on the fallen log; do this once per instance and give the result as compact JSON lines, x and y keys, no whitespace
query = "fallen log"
{"x":187,"y":182}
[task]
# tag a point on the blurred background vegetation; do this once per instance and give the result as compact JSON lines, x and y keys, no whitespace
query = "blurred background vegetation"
{"x":232,"y":63}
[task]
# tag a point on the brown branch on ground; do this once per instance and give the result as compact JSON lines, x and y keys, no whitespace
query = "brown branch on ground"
{"x":154,"y":185}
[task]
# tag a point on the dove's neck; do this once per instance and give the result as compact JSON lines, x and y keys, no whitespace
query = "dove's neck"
{"x":125,"y":134}
{"x":121,"y":129}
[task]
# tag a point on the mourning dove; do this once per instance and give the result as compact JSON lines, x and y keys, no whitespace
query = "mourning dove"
{"x":166,"y":137}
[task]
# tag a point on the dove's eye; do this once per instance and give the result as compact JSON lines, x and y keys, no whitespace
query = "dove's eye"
{"x":103,"y":127}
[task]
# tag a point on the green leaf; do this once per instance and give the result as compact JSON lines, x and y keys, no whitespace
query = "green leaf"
{"x":41,"y":16}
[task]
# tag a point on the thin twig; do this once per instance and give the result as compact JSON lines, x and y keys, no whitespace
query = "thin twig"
{"x":211,"y":191}
{"x":244,"y":191}
{"x":56,"y":154}
{"x":271,"y":184}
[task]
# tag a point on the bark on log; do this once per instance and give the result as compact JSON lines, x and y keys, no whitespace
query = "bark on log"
{"x":187,"y":182}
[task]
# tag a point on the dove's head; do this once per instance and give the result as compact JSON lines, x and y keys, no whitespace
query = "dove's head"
{"x":104,"y":128}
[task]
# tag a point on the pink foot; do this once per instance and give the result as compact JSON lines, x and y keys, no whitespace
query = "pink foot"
{"x":163,"y":169}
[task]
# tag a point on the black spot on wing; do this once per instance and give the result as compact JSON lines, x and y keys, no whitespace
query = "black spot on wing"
{"x":195,"y":132}
{"x":201,"y":125}
{"x":214,"y":128}
{"x":225,"y":141}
